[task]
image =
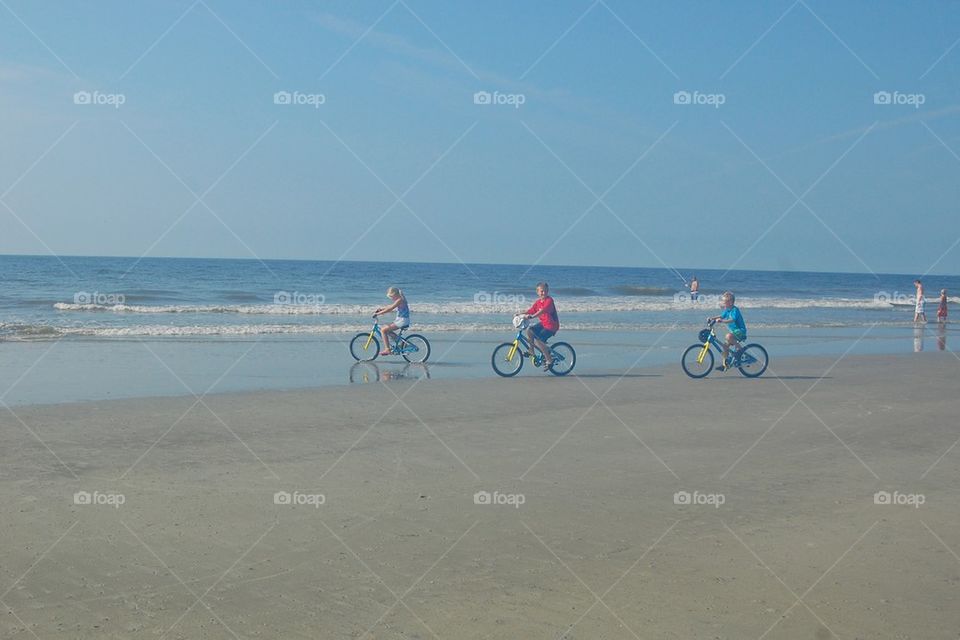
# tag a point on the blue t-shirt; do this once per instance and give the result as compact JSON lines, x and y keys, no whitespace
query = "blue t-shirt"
{"x":733,"y":315}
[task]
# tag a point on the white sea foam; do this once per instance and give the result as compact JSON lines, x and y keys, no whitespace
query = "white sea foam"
{"x":596,"y":304}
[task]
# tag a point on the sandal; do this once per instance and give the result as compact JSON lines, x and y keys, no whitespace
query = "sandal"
{"x":385,"y":353}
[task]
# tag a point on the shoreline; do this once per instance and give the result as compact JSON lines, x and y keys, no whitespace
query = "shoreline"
{"x":54,"y":372}
{"x":652,"y":370}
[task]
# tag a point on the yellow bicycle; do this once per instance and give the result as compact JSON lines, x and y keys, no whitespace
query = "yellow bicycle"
{"x":507,"y":358}
{"x":697,"y":361}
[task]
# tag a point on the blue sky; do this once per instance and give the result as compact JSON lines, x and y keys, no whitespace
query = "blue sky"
{"x":797,"y":168}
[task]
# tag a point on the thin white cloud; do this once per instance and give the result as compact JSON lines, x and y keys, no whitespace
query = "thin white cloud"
{"x":21,"y":73}
{"x":881,"y":125}
{"x":396,"y":44}
{"x":402,"y":47}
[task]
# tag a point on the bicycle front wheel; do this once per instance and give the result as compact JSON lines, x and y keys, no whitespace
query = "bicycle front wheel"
{"x":364,"y":347}
{"x":753,"y":360}
{"x":693,"y":365}
{"x":415,"y":348}
{"x":507,"y":360}
{"x":564,"y":358}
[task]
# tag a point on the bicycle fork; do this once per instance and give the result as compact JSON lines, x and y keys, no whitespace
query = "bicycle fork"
{"x":513,"y":350}
{"x":516,"y":347}
{"x":703,"y":352}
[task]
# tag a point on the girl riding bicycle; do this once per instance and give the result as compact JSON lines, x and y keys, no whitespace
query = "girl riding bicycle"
{"x":402,"y":321}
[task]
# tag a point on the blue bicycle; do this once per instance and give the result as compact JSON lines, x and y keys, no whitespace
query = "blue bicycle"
{"x":507,"y":358}
{"x":366,"y":346}
{"x":751,"y":360}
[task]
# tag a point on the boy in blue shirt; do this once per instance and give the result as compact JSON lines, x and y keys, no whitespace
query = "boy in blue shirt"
{"x":734,"y":319}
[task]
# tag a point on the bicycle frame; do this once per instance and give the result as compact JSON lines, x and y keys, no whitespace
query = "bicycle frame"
{"x":399,"y":347}
{"x":751,"y":359}
{"x":711,"y":340}
{"x":535,"y":353}
{"x":508,"y":356}
{"x":519,"y":340}
{"x":735,"y":351}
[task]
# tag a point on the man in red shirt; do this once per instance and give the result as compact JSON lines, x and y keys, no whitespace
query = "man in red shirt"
{"x":549,"y":324}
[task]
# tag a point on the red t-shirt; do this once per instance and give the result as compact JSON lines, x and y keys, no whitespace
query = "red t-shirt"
{"x":547,"y":313}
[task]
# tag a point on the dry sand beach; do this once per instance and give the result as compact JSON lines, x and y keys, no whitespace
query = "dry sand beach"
{"x":583,"y":536}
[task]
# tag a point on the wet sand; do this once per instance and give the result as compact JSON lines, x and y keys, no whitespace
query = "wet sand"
{"x":605,"y":506}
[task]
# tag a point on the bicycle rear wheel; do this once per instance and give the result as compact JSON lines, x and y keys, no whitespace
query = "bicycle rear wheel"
{"x":415,"y":348}
{"x":502,"y":365}
{"x":364,"y":347}
{"x":690,"y":363}
{"x":564,"y":358}
{"x":753,"y":360}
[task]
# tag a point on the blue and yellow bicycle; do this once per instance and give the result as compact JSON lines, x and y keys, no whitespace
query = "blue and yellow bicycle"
{"x":507,"y":358}
{"x":697,"y":361}
{"x":366,"y":346}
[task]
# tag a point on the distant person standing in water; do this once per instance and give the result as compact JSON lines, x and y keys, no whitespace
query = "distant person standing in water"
{"x":942,"y":308}
{"x":918,"y":312}
{"x":694,"y":288}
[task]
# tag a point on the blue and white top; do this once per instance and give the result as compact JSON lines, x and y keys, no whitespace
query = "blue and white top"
{"x":403,"y":310}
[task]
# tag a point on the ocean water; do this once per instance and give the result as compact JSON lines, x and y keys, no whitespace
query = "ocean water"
{"x":113,"y":327}
{"x":49,"y":298}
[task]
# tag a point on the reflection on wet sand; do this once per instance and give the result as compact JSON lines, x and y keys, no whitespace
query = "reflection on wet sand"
{"x":942,"y":337}
{"x":918,"y":336}
{"x":365,"y":372}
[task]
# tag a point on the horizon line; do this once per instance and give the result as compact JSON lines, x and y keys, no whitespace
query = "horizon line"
{"x":461,"y":263}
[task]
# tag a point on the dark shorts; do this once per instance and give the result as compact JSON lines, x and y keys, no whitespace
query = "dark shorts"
{"x":739,"y":335}
{"x":542,"y":334}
